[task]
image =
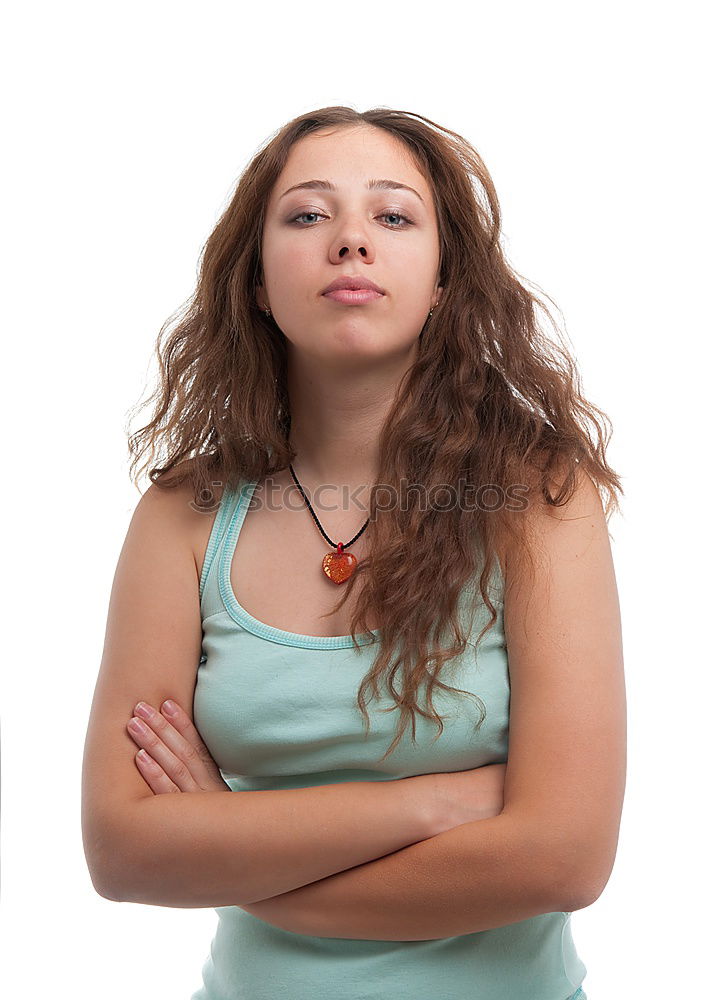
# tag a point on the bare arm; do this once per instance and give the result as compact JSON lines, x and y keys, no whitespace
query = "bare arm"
{"x":214,"y":848}
{"x":209,"y":848}
{"x":471,"y":878}
{"x":431,"y":803}
{"x":194,"y":850}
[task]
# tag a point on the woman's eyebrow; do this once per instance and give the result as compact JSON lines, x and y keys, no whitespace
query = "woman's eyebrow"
{"x":381,"y":184}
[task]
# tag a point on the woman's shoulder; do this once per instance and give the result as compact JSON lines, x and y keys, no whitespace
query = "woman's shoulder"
{"x":191,"y":511}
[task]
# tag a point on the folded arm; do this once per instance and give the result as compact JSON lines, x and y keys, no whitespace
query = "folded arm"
{"x":217,"y":847}
{"x":474,"y":877}
{"x":209,"y":849}
{"x":553,"y":846}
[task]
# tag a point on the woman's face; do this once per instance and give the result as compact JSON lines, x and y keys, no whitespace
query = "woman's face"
{"x":312,"y":236}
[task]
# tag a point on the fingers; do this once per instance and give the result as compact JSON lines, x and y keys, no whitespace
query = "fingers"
{"x":153,"y":774}
{"x":174,"y":755}
{"x":182,"y":723}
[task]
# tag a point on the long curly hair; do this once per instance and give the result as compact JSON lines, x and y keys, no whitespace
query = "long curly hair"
{"x":490,"y":404}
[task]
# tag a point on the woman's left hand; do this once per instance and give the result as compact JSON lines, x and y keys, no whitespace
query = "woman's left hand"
{"x":177,"y":760}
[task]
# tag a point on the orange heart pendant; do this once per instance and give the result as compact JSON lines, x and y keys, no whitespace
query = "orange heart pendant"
{"x":339,"y":565}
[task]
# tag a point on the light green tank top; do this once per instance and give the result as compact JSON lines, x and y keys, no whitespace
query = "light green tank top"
{"x":278,"y":709}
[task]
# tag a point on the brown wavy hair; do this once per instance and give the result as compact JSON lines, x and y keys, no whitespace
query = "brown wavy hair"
{"x":491,"y":402}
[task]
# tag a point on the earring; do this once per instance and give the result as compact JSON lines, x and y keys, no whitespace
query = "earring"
{"x":267,"y":312}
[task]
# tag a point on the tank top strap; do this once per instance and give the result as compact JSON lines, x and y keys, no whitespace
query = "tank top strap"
{"x":209,"y":592}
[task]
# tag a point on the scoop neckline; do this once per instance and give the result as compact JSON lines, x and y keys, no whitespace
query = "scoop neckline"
{"x":240,"y":614}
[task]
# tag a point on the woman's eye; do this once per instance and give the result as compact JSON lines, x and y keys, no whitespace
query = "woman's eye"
{"x":398,"y":215}
{"x":384,"y":215}
{"x":303,"y":215}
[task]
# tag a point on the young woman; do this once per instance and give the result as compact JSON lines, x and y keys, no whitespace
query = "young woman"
{"x":379,"y":480}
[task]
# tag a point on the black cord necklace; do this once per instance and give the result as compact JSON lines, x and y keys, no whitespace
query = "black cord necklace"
{"x":337,"y":566}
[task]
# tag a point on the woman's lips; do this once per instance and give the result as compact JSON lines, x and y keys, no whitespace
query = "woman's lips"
{"x":353,"y":296}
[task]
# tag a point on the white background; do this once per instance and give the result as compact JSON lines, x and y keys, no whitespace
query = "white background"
{"x":126,"y":127}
